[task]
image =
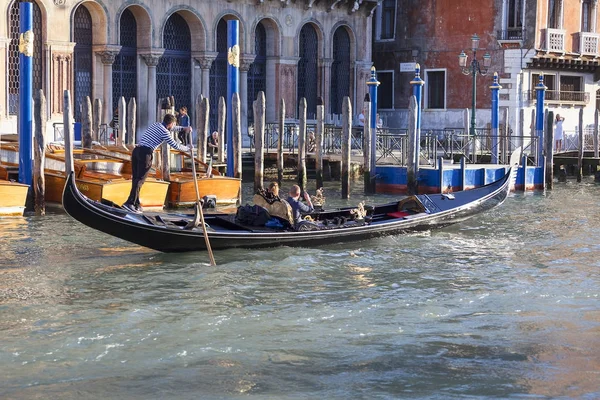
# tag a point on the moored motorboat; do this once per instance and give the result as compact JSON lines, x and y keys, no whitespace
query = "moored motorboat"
{"x":172,"y":232}
{"x":12,"y":198}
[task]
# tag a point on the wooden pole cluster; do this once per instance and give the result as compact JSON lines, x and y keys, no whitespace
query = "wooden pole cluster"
{"x":39,"y":147}
{"x":346,"y":146}
{"x":302,"y":145}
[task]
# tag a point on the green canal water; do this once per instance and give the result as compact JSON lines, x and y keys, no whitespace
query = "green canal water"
{"x":505,"y":305}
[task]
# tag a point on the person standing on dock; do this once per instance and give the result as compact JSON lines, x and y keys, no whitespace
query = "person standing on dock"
{"x":184,"y":120}
{"x":141,"y":157}
{"x":558,"y":133}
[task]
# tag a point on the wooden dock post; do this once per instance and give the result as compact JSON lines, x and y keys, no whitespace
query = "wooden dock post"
{"x":596,"y":112}
{"x":221,"y":118}
{"x":259,"y":140}
{"x":280,"y":141}
{"x":120,"y":137}
{"x":463,"y":173}
{"x":302,"y":144}
{"x":319,"y":130}
{"x":580,"y":155}
{"x":412,"y":160}
{"x":131,"y":121}
{"x":97,"y":120}
{"x":39,"y":155}
{"x":86,"y":123}
{"x":524,"y":163}
{"x":68,"y":133}
{"x":346,"y":146}
{"x":549,"y":142}
{"x":367,"y":150}
{"x":202,"y":128}
{"x":236,"y":120}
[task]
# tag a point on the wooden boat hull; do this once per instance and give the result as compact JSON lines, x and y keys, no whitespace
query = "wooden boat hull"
{"x":182,"y":192}
{"x":167,"y":232}
{"x":152,"y":195}
{"x":13,"y":196}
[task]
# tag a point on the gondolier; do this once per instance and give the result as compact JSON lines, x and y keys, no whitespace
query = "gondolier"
{"x":141,"y":158}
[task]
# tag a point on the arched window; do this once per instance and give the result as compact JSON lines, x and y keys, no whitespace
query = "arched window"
{"x":13,"y":54}
{"x":173,"y":73}
{"x":340,"y":69}
{"x":257,"y":74}
{"x":82,"y":58}
{"x":218,"y":74}
{"x":125,"y":66}
{"x":307,"y":69}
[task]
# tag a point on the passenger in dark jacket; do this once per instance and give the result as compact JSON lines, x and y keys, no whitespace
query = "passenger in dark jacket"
{"x":298,"y":207}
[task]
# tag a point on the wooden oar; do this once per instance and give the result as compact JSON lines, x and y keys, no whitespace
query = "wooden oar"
{"x":198,"y":210}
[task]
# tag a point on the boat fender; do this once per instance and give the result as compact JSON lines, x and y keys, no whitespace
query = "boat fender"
{"x":448,"y":196}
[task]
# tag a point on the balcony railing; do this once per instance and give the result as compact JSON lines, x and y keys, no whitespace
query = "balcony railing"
{"x":555,"y":40}
{"x":559,"y":96}
{"x":512,"y":34}
{"x":587,"y":43}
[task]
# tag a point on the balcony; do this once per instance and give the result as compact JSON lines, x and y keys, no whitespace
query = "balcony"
{"x":558,"y":97}
{"x":555,"y":41}
{"x":587,"y":43}
{"x":511,"y":38}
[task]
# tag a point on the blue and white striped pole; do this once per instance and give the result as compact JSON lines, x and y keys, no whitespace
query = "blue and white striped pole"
{"x":495,"y":87}
{"x":26,"y":93}
{"x":540,"y":94}
{"x":233,"y":74}
{"x":373,"y":83}
{"x":417,"y":84}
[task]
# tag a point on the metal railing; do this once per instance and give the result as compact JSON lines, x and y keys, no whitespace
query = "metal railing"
{"x":559,"y":96}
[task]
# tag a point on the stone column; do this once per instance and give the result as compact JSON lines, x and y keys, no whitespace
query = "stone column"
{"x":108,"y":58}
{"x":326,"y":84}
{"x":205,"y":60}
{"x":363,"y":73}
{"x":61,"y":75}
{"x":245,"y":63}
{"x":151,"y":60}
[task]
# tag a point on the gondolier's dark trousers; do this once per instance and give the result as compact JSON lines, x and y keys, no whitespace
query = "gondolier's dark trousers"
{"x":141,"y":162}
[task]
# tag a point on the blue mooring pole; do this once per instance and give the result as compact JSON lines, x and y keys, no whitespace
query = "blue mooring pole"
{"x":417,"y":84}
{"x":495,"y":87}
{"x":540,"y":94}
{"x":26,"y":93}
{"x":233,"y":74}
{"x":373,"y":83}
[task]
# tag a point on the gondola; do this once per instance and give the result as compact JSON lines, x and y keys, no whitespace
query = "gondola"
{"x":171,"y":232}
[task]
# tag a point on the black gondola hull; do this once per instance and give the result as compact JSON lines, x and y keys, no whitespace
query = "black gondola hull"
{"x":144,"y":230}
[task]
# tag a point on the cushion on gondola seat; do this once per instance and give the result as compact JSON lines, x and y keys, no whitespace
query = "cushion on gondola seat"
{"x":398,"y":214}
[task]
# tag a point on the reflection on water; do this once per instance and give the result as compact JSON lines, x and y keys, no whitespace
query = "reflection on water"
{"x":504,"y":305}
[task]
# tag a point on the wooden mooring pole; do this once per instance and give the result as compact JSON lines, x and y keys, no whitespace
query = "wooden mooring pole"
{"x":319,"y":130}
{"x":367,"y":153}
{"x":131,"y":121}
{"x":202,"y":128}
{"x":97,"y":120}
{"x":346,"y":146}
{"x":86,"y":123}
{"x":68,"y":132}
{"x":549,"y":141}
{"x":259,"y":141}
{"x":280,"y":141}
{"x":39,"y":148}
{"x":580,"y":155}
{"x":302,"y":144}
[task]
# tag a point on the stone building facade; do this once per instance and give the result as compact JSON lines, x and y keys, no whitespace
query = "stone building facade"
{"x":150,"y":49}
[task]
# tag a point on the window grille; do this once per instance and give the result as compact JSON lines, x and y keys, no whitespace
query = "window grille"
{"x":125,"y":66}
{"x":82,"y":58}
{"x":340,"y":69}
{"x":257,"y":74}
{"x":13,"y":54}
{"x":307,"y":69}
{"x":218,"y":74}
{"x":173,"y":73}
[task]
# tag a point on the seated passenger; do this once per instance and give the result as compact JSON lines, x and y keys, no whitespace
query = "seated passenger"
{"x":298,"y":208}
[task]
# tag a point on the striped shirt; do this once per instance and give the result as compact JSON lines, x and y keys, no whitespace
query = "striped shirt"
{"x":157,"y":133}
